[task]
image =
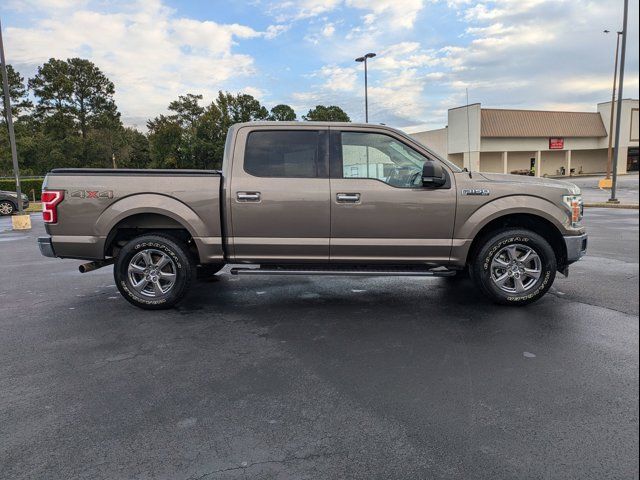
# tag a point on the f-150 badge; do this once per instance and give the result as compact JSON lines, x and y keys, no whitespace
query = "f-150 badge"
{"x":92,"y":194}
{"x":476,"y":191}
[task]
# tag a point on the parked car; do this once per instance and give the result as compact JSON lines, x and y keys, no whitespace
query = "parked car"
{"x":315,"y":199}
{"x":9,"y":202}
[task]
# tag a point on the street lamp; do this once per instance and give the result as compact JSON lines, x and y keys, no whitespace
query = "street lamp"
{"x":606,"y":183}
{"x":616,"y":149}
{"x":366,"y":98}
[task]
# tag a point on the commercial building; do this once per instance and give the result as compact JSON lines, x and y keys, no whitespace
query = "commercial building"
{"x":543,"y":143}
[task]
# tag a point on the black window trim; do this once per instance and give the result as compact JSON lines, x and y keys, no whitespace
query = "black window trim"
{"x":322,"y":148}
{"x":336,"y":161}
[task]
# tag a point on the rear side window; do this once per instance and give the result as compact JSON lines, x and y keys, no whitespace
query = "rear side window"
{"x":284,"y":153}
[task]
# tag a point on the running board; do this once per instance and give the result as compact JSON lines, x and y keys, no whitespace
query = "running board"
{"x":346,"y":272}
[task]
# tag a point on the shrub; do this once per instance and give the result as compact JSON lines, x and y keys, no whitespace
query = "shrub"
{"x":27,"y":185}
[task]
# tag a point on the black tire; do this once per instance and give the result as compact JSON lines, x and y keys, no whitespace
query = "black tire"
{"x":488,"y":272}
{"x":7,"y":207}
{"x":159,"y":248}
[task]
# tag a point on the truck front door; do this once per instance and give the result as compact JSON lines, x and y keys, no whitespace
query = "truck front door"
{"x":279,"y":195}
{"x":380,"y":211}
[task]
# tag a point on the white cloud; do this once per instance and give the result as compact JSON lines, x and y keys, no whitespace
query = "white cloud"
{"x":150,"y":54}
{"x":397,"y":13}
{"x":338,"y":78}
{"x":328,"y":30}
{"x":538,"y":53}
{"x":300,"y":9}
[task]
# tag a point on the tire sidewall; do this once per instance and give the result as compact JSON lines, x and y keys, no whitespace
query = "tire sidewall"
{"x":184,"y":271}
{"x":10,"y":203}
{"x":482,"y":266}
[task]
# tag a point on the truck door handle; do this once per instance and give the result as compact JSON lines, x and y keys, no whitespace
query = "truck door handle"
{"x":248,"y":196}
{"x":348,"y":197}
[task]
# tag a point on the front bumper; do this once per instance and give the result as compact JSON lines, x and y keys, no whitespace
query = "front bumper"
{"x":46,"y":247}
{"x":576,"y":247}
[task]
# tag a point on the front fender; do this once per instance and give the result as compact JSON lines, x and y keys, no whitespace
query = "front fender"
{"x":514,"y":204}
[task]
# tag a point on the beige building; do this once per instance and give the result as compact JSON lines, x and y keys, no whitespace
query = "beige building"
{"x":546,"y":143}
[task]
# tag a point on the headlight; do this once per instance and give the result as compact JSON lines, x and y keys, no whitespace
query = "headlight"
{"x":576,"y":208}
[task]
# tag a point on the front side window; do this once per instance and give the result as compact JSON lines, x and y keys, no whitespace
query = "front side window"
{"x":381,"y":157}
{"x":282,"y":153}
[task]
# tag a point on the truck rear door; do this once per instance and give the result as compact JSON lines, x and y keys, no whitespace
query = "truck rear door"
{"x":279,"y":195}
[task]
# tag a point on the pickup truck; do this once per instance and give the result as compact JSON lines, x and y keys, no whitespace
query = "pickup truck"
{"x":315,"y":199}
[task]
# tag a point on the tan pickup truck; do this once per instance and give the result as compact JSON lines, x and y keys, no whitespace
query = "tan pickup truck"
{"x":315,"y":199}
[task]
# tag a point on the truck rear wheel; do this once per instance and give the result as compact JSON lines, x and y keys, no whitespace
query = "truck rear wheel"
{"x":154,"y":271}
{"x":514,"y":267}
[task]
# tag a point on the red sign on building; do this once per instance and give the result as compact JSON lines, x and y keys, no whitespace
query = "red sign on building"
{"x":556,"y":143}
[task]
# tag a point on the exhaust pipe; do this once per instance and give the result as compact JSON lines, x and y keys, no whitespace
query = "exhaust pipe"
{"x":91,"y":266}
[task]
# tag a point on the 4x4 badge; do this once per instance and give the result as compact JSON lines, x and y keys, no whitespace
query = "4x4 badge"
{"x":476,"y":191}
{"x":92,"y":194}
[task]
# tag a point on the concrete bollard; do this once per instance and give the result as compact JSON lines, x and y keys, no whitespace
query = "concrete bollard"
{"x":21,"y":222}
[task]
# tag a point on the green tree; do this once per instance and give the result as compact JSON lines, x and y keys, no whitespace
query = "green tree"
{"x":52,"y":88}
{"x":165,"y":138}
{"x":187,"y":109}
{"x":322,"y":113}
{"x":17,"y":93}
{"x":206,"y":145}
{"x":282,"y":113}
{"x":74,"y":95}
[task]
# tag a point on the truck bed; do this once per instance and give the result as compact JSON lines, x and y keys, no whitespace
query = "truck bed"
{"x":99,"y":203}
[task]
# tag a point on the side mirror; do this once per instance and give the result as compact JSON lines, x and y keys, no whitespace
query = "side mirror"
{"x":433,"y":174}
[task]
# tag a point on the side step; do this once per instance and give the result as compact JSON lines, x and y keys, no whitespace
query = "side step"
{"x":345,"y":270}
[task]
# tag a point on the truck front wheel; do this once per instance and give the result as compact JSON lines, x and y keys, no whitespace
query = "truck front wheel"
{"x":154,"y":271}
{"x":514,"y":267}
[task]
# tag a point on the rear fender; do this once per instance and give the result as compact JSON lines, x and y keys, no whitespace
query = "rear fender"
{"x":150,"y":203}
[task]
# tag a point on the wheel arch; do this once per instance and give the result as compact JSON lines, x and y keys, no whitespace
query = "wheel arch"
{"x":138,"y":214}
{"x":526,"y":220}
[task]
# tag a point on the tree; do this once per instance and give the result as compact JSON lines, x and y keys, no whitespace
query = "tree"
{"x":165,"y":137}
{"x":17,"y":93}
{"x":225,"y":111}
{"x":75,"y":90}
{"x":322,"y":113}
{"x":187,"y":108}
{"x":282,"y":113}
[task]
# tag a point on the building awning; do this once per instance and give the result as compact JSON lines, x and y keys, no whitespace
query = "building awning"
{"x":536,"y":123}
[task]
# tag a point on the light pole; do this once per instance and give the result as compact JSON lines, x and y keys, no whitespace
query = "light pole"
{"x":9,"y":118}
{"x":607,"y":182}
{"x":366,"y":94}
{"x":616,"y":149}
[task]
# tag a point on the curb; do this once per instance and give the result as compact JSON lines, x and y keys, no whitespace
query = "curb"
{"x":628,"y":206}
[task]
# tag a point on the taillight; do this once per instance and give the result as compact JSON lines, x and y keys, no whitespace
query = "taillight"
{"x":50,"y":200}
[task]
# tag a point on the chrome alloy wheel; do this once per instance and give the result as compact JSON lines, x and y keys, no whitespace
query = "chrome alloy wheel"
{"x":152,"y":273}
{"x":516,"y":268}
{"x":6,"y":208}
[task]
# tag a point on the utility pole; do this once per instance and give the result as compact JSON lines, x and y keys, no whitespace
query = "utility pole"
{"x":616,"y":150}
{"x":9,"y":117}
{"x":607,"y":183}
{"x":364,"y":59}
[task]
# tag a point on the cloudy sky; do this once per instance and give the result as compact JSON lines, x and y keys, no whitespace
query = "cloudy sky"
{"x":545,"y":54}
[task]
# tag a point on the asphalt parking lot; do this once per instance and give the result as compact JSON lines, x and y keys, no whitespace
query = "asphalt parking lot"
{"x":288,"y":377}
